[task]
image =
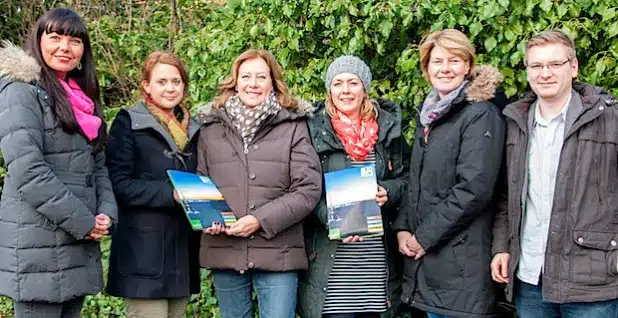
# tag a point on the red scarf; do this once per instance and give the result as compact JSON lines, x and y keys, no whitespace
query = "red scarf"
{"x":358,"y":137}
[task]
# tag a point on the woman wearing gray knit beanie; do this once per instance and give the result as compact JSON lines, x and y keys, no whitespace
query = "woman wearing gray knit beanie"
{"x":356,"y":276}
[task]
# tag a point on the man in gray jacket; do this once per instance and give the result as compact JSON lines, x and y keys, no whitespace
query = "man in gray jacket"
{"x":556,"y":233}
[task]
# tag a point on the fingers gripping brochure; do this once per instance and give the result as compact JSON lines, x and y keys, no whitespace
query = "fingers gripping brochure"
{"x":201,"y":200}
{"x":351,"y":203}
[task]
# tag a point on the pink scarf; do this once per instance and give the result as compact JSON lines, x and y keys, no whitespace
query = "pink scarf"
{"x":83,"y":108}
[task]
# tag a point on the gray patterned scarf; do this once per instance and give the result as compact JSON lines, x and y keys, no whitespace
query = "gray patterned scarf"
{"x":434,"y":107}
{"x":248,"y":120}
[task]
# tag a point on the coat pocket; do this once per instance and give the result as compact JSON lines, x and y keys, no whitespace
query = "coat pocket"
{"x":443,"y":269}
{"x":143,"y":254}
{"x":594,"y":258}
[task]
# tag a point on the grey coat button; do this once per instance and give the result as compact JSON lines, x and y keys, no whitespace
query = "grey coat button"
{"x":256,"y":147}
{"x":251,"y":265}
{"x":601,"y":107}
{"x":242,"y":271}
{"x":580,"y":240}
{"x":251,"y":205}
{"x":252,"y":176}
{"x":613,"y":243}
{"x":324,"y":288}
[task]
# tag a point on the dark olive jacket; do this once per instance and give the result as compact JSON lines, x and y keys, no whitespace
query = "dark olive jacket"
{"x":581,"y":259}
{"x":452,"y":175}
{"x":392,"y":158}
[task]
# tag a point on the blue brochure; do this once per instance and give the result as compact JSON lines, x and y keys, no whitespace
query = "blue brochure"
{"x":351,"y":203}
{"x":201,"y":200}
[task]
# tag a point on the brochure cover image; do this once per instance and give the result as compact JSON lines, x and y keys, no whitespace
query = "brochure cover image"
{"x":351,"y":203}
{"x":201,"y":200}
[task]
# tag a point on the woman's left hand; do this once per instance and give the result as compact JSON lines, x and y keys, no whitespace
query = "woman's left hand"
{"x":381,"y":196}
{"x":244,"y":227}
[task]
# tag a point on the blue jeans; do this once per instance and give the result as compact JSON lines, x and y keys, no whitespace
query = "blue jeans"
{"x":276,"y":293}
{"x":529,"y":303}
{"x":432,"y":315}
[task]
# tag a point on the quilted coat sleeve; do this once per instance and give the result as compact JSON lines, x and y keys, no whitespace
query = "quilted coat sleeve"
{"x":477,"y":168}
{"x":304,"y":192}
{"x":121,"y":162}
{"x":22,"y":134}
{"x":106,"y":201}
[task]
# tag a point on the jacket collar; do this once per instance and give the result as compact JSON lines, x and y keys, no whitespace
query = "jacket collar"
{"x":323,"y":134}
{"x":593,"y":99}
{"x":484,"y":85}
{"x":141,"y":118}
{"x":207,"y":115}
{"x":18,"y":65}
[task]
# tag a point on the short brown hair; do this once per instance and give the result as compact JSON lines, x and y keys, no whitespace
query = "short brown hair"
{"x":159,"y":57}
{"x":227,"y":86}
{"x":451,"y":40}
{"x":551,"y":37}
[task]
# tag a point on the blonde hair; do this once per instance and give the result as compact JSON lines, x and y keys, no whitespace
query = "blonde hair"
{"x":227,"y":86}
{"x":551,"y":37}
{"x":369,"y":107}
{"x":451,"y":40}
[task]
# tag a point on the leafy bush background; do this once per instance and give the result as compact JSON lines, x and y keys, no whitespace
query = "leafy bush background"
{"x":306,"y":36}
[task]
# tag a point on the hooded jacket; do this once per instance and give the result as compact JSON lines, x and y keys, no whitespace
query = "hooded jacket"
{"x":278,"y":180}
{"x":54,"y":187}
{"x":154,"y":251}
{"x":452,"y":175}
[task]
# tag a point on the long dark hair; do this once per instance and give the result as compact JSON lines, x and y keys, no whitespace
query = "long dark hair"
{"x":65,"y":21}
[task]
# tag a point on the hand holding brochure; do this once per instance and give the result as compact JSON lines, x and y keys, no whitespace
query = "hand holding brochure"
{"x":351,"y":203}
{"x":201,"y":200}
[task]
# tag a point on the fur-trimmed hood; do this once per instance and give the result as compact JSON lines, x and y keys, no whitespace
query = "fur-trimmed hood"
{"x":206,"y":114}
{"x":484,"y":81}
{"x":16,"y":64}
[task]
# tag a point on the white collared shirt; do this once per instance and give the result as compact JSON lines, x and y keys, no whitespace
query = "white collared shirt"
{"x":545,"y":146}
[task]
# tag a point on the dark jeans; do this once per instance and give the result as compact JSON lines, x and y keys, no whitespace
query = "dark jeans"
{"x":529,"y":303}
{"x":353,"y":315}
{"x":36,"y":309}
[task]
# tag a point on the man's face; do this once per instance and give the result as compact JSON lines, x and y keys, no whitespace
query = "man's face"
{"x":550,"y":71}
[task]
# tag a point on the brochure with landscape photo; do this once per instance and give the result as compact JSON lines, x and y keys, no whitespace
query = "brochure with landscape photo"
{"x":201,"y":200}
{"x":351,"y":203}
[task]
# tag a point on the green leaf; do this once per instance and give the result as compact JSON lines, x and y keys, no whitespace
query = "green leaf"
{"x":510,"y":91}
{"x":254,"y":30}
{"x":385,"y":27}
{"x":608,"y":14}
{"x":562,"y":10}
{"x":504,"y":3}
{"x":546,"y":5}
{"x":509,"y":35}
{"x":612,"y":30}
{"x":490,"y":43}
{"x":599,"y":67}
{"x":475,"y":29}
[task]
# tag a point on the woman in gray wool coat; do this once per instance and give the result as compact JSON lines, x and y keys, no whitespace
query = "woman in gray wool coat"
{"x":57,"y":201}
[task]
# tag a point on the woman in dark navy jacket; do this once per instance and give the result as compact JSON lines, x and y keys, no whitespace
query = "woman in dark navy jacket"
{"x":154,"y":256}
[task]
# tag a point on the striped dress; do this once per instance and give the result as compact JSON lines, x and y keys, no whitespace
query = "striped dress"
{"x":357,"y":281}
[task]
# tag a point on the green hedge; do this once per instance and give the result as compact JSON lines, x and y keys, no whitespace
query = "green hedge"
{"x":306,"y":36}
